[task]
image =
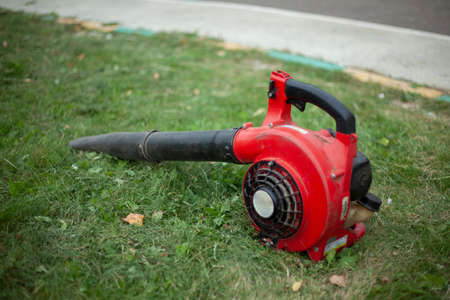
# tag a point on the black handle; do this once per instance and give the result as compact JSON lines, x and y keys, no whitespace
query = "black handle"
{"x":298,"y":93}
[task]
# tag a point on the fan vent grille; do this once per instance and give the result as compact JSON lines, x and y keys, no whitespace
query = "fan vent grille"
{"x":288,"y":214}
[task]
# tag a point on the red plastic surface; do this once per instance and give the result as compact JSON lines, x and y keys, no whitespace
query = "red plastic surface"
{"x":320,"y":164}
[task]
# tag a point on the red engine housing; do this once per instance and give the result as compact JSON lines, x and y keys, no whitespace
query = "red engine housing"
{"x":319,"y":164}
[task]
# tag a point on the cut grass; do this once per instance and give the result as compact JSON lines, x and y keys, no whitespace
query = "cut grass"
{"x":60,"y":215}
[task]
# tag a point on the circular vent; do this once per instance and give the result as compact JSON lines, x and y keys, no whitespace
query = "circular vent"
{"x":273,"y":200}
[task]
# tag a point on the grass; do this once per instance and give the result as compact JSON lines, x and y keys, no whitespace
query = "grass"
{"x":61,"y":234}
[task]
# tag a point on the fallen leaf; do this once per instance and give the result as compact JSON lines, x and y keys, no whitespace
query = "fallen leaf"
{"x":259,"y":111}
{"x":157,"y":215}
{"x":196,"y":92}
{"x":134,"y":219}
{"x":385,"y":279}
{"x":183,"y":41}
{"x":297,"y":285}
{"x":80,"y":57}
{"x":226,"y":226}
{"x":5,"y":44}
{"x":221,"y":53}
{"x":337,"y":280}
{"x":27,"y":80}
{"x":156,"y":76}
{"x":129,"y":92}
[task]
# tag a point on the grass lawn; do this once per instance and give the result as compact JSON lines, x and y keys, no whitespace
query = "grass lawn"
{"x":61,"y":233}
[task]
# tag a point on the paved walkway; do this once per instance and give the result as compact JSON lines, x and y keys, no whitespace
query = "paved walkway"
{"x":418,"y":56}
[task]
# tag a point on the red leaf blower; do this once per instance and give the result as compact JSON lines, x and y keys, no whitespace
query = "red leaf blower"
{"x":305,"y":190}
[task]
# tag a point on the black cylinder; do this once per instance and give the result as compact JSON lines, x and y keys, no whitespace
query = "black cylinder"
{"x":124,"y":145}
{"x":156,"y":146}
{"x":191,"y":145}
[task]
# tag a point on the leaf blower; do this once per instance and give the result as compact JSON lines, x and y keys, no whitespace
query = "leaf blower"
{"x":304,"y":191}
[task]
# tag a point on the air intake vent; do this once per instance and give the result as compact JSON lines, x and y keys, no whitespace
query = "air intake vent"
{"x":273,"y":200}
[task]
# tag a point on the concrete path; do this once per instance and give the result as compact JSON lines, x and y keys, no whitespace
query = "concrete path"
{"x":401,"y":53}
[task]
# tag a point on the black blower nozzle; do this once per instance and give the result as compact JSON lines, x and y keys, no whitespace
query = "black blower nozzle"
{"x":124,"y":145}
{"x":159,"y":146}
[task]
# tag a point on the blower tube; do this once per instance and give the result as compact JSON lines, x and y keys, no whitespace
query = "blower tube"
{"x":154,"y":146}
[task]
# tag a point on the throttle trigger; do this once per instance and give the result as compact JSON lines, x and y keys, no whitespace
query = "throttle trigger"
{"x":301,"y":105}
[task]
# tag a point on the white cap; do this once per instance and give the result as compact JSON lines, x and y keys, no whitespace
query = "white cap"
{"x":263,"y":204}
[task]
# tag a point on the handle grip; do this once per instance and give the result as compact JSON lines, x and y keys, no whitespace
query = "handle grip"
{"x":298,"y":93}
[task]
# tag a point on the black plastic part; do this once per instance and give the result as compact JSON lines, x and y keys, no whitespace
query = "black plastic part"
{"x":191,"y":146}
{"x":271,"y":93}
{"x":332,"y":132}
{"x":302,"y":92}
{"x":361,"y":177}
{"x":301,"y":105}
{"x":124,"y":145}
{"x":371,"y":202}
{"x":156,"y":146}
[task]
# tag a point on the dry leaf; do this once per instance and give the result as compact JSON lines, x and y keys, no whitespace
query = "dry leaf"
{"x":129,"y":92}
{"x":80,"y":57}
{"x":221,"y":53}
{"x":134,"y":219}
{"x":259,"y":111}
{"x":157,"y":215}
{"x":233,"y":46}
{"x":183,"y":41}
{"x":27,"y":80}
{"x":5,"y":44}
{"x":338,"y":280}
{"x":156,"y":76}
{"x":196,"y":92}
{"x":226,"y":226}
{"x":67,"y":21}
{"x":385,"y":279}
{"x":297,"y":285}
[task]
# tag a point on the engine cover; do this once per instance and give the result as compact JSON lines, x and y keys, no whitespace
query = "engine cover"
{"x":297,"y":191}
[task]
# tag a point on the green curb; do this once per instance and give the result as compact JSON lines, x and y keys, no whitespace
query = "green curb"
{"x":445,"y":98}
{"x":129,"y":30}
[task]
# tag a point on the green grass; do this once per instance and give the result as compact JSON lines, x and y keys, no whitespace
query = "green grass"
{"x":61,"y":234}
